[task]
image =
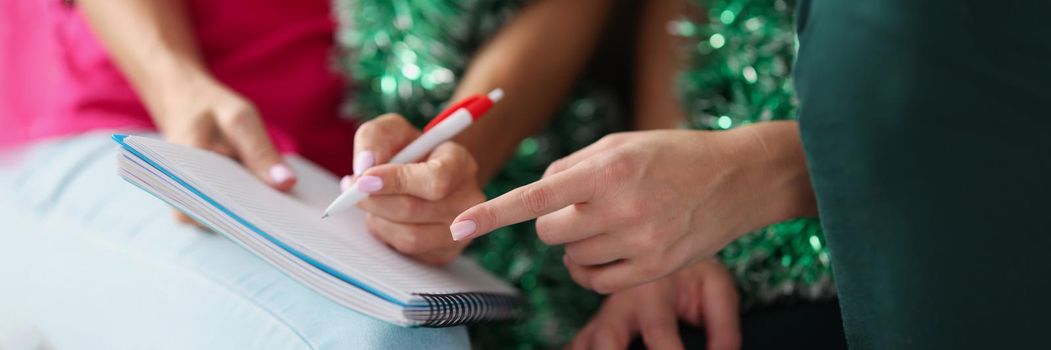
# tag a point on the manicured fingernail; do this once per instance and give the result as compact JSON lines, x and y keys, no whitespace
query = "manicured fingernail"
{"x":346,"y":183}
{"x":463,"y":229}
{"x":363,"y":161}
{"x":279,"y":173}
{"x":369,"y":184}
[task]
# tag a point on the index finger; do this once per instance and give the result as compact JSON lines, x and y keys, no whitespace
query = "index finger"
{"x":527,"y":202}
{"x":446,"y":168}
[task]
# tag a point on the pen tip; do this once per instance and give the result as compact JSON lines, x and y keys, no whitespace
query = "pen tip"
{"x":324,"y":216}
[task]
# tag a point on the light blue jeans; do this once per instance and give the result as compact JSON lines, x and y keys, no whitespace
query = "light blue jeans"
{"x":89,"y":261}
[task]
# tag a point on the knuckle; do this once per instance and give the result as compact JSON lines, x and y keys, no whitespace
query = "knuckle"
{"x":442,"y":183}
{"x":614,"y":139}
{"x":393,"y":123}
{"x":402,"y":177}
{"x":367,"y":129}
{"x":408,"y":244}
{"x":486,"y":216}
{"x":239,"y":117}
{"x":379,"y":126}
{"x":635,"y":211}
{"x":536,"y":199}
{"x":619,"y":166}
{"x":556,"y":166}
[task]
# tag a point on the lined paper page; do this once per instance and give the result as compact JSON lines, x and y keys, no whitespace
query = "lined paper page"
{"x":341,"y":241}
{"x":146,"y":177}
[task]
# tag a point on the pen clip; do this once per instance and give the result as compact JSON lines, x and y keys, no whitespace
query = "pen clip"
{"x":449,"y":111}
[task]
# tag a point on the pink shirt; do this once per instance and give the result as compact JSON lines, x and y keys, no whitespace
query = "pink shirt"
{"x":57,"y":80}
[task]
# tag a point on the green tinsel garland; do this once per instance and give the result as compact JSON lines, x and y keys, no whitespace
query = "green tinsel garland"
{"x":743,"y":54}
{"x":406,"y":56}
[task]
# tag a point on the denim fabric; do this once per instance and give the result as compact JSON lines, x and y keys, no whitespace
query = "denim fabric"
{"x":89,"y":261}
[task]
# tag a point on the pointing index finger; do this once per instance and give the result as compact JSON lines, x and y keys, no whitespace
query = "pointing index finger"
{"x":525,"y":203}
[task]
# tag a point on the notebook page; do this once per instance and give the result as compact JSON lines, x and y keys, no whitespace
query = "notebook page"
{"x":143,"y":175}
{"x":341,"y":241}
{"x":317,"y":188}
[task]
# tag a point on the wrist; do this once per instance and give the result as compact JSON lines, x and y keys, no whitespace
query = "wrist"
{"x":773,"y":153}
{"x":171,"y":82}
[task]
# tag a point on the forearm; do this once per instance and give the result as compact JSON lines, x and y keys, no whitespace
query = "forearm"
{"x":535,"y":59}
{"x":151,"y":42}
{"x":657,"y":105}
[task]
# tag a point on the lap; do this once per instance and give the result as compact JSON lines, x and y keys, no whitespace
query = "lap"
{"x":92,"y":260}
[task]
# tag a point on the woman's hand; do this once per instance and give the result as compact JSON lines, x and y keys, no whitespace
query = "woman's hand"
{"x":635,"y":207}
{"x":153,"y":44}
{"x":702,"y":295}
{"x":205,"y":114}
{"x":410,"y":206}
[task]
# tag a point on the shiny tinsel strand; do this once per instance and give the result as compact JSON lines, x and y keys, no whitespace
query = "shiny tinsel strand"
{"x":742,"y":54}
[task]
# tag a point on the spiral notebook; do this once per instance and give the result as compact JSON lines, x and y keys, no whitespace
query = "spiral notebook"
{"x":335,"y":257}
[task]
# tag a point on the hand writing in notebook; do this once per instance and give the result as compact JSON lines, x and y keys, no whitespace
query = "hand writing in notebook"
{"x":410,"y":206}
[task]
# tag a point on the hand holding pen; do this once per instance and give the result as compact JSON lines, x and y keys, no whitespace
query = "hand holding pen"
{"x":412,"y":184}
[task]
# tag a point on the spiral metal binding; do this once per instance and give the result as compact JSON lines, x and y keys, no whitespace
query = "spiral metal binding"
{"x":446,"y":310}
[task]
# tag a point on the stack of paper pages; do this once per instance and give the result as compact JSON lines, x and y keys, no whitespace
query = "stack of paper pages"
{"x":335,"y":256}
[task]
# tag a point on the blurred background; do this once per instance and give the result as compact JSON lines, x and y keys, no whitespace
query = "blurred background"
{"x":732,"y":61}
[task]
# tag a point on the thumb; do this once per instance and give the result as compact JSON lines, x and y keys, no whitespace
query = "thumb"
{"x":248,"y":137}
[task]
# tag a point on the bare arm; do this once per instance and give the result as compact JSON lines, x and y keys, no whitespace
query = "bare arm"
{"x":151,"y":42}
{"x":657,"y":105}
{"x":153,"y":45}
{"x":536,"y":59}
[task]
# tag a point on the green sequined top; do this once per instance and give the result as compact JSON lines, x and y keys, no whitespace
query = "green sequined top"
{"x":406,"y":56}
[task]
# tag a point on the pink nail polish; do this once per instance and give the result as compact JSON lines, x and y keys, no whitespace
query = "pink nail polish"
{"x":363,"y":161}
{"x":345,"y":183}
{"x":463,"y":229}
{"x":369,"y":184}
{"x":280,"y":173}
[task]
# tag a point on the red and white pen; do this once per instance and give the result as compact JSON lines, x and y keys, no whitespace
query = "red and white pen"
{"x":445,"y":126}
